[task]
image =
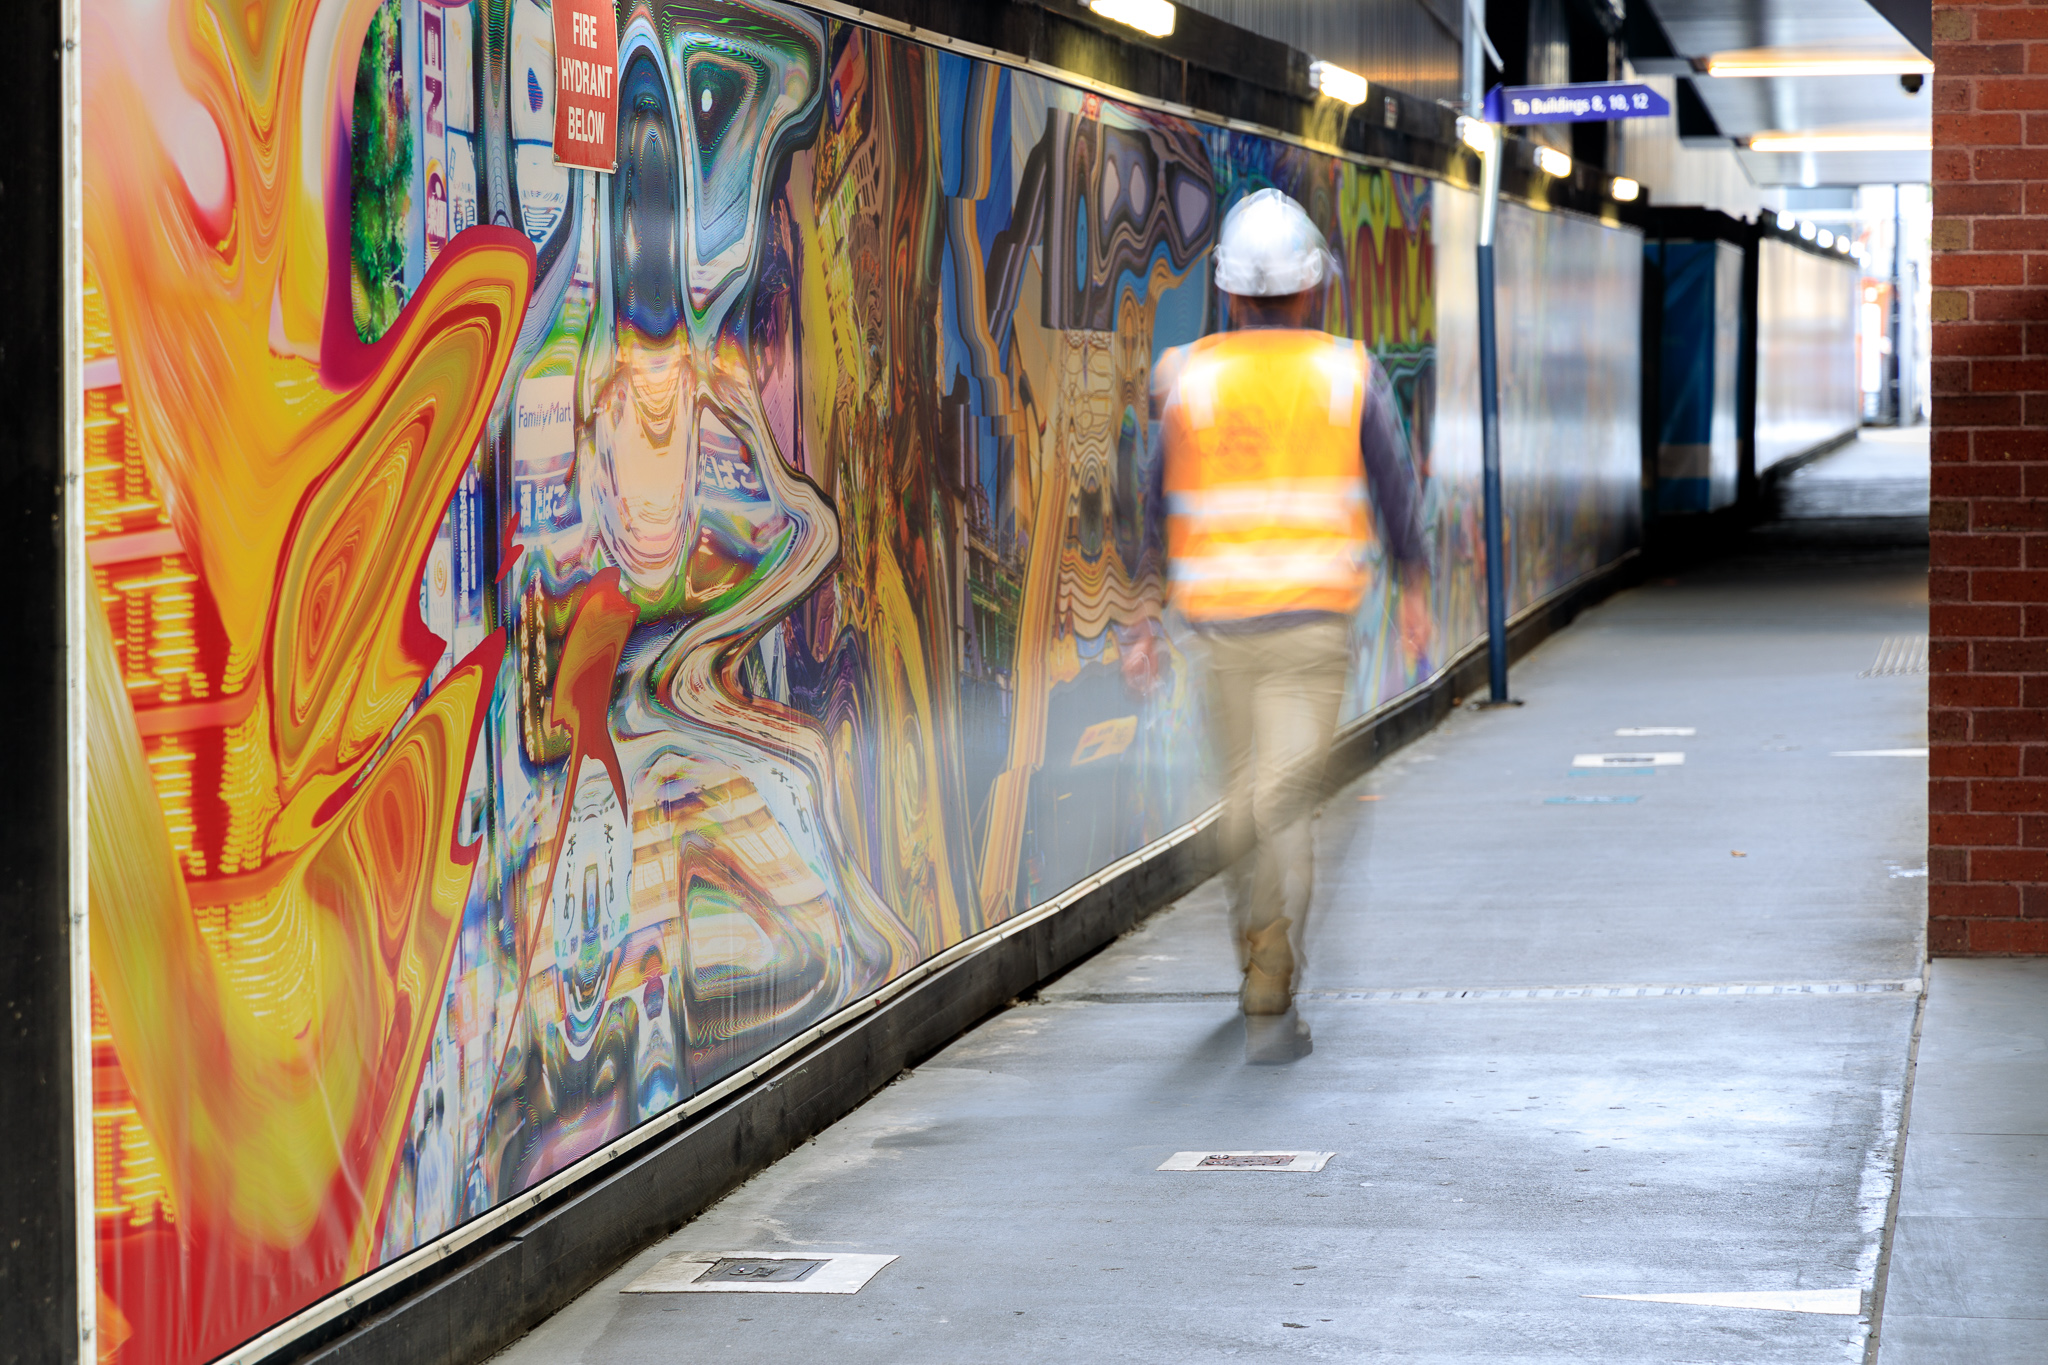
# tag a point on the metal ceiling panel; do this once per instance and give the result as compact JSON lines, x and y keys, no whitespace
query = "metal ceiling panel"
{"x":1810,"y":104}
{"x":1701,"y":27}
{"x":1743,"y":106}
{"x":1412,"y":45}
{"x":1838,"y":168}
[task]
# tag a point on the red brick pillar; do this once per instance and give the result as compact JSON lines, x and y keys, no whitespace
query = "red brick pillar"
{"x":1987,"y":722}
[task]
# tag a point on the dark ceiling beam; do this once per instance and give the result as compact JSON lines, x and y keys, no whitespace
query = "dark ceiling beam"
{"x":1914,"y":19}
{"x":1697,"y":126}
{"x":1650,"y":49}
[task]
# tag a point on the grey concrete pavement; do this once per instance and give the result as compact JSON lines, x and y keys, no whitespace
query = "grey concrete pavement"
{"x":1503,"y":1152}
{"x":1882,"y":473}
{"x":1969,"y":1267}
{"x":1464,"y":873}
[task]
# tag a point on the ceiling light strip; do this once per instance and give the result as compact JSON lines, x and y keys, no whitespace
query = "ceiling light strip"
{"x":1842,"y":142}
{"x":1764,"y":62}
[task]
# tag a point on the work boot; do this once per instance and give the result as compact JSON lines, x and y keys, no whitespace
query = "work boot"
{"x":1269,"y":971}
{"x":1276,"y":1039}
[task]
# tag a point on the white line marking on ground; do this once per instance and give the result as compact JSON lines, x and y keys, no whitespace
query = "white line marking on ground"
{"x":1658,"y":760}
{"x":1719,"y":990}
{"x":1647,"y":731}
{"x":1879,"y":753}
{"x":1841,"y":1302}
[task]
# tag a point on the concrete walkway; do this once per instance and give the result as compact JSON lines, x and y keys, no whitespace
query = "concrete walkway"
{"x":1969,"y":1268}
{"x":1721,"y":1118}
{"x":1882,"y":473}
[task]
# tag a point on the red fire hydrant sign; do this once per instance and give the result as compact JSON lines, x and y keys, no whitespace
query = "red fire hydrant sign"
{"x":586,"y":84}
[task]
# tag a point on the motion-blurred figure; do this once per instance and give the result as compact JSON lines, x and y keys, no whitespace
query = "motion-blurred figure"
{"x":1278,"y":443}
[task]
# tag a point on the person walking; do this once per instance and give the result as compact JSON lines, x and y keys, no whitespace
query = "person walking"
{"x":1277,"y":444}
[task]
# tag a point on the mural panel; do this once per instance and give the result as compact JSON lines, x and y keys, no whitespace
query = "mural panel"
{"x":561,"y":635}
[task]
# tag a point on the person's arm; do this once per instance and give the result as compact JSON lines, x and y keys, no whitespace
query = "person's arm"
{"x":1390,"y":481}
{"x":1163,"y":375}
{"x":1389,"y":473}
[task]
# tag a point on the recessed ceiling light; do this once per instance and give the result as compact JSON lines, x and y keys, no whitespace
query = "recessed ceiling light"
{"x":1147,"y":16}
{"x":1553,"y":162}
{"x":1625,"y":190}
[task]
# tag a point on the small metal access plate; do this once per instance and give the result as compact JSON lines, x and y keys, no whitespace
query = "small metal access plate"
{"x":758,"y":1272}
{"x":1246,"y":1161}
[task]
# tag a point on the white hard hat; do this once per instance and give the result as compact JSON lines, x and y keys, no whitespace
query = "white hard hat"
{"x":1269,"y":248}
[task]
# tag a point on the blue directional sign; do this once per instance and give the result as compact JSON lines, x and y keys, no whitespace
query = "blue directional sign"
{"x":1589,"y":102}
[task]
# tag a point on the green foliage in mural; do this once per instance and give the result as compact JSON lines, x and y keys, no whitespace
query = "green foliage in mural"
{"x":381,"y":176}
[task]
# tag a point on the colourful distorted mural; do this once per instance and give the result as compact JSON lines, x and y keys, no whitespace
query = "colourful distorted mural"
{"x":561,"y":635}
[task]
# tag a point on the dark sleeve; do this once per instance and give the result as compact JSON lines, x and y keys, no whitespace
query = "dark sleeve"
{"x":1163,"y":375}
{"x":1389,"y":474}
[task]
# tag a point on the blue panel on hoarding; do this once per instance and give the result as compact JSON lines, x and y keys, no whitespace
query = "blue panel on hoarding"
{"x":1696,"y":428}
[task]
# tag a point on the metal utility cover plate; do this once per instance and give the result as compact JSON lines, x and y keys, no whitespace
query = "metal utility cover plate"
{"x":758,"y":1272}
{"x":1209,"y":1159}
{"x":1639,"y":760}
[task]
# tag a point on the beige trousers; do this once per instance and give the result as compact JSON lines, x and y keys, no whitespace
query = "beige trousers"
{"x":1273,"y":699}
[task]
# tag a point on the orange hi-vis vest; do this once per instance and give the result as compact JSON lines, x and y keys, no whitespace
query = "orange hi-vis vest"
{"x":1264,"y":480}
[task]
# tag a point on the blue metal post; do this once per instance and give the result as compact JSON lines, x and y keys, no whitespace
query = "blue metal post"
{"x":1489,"y":426}
{"x":1489,"y":429}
